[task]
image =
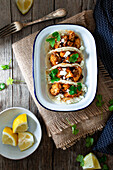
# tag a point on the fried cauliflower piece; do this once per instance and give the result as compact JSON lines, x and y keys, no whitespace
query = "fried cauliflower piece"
{"x":55,"y":89}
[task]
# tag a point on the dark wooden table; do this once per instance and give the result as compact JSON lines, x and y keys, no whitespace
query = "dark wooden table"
{"x":46,"y":157}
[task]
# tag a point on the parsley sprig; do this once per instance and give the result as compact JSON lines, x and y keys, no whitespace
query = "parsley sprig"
{"x":89,"y":141}
{"x":100,"y":103}
{"x":74,"y":128}
{"x":73,"y":58}
{"x":80,"y":159}
{"x":56,"y":36}
{"x":53,"y":75}
{"x":5,"y":67}
{"x":73,"y":89}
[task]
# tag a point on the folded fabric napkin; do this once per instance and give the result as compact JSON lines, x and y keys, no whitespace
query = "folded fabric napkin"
{"x":103,"y":15}
{"x":105,"y":142}
{"x":89,"y":119}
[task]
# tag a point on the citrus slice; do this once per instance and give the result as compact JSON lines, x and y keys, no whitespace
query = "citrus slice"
{"x":24,"y":5}
{"x":91,"y":162}
{"x":20,"y":123}
{"x":25,"y":140}
{"x":8,"y":137}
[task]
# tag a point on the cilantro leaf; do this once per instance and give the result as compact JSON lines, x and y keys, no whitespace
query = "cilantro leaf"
{"x":103,"y":159}
{"x":111,"y":101}
{"x":53,"y":75}
{"x":74,"y":128}
{"x":5,"y":67}
{"x":89,"y":141}
{"x":105,"y":167}
{"x":80,"y":159}
{"x":111,"y":108}
{"x":73,"y":90}
{"x":55,"y":79}
{"x":2,"y":86}
{"x":73,"y":58}
{"x":51,"y":41}
{"x":10,"y":81}
{"x":56,"y":35}
{"x":79,"y":86}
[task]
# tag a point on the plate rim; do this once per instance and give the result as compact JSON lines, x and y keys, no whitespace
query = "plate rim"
{"x":22,"y":108}
{"x":34,"y":70}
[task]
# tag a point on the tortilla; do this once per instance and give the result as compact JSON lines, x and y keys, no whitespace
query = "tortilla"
{"x":61,"y":99}
{"x":64,"y":49}
{"x":64,"y":71}
{"x":63,"y":33}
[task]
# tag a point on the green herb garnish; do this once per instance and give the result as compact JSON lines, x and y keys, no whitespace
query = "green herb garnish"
{"x":74,"y":128}
{"x":53,"y":75}
{"x":73,"y":58}
{"x":2,"y":86}
{"x":89,"y":141}
{"x":11,"y":81}
{"x":111,"y":108}
{"x":103,"y":159}
{"x":51,"y":41}
{"x":100,"y":103}
{"x":80,"y":159}
{"x":55,"y":35}
{"x":73,"y":90}
{"x":105,"y":167}
{"x":79,"y":86}
{"x":5,"y":67}
{"x":111,"y":103}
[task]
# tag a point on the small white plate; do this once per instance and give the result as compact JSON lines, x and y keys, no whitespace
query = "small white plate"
{"x":6,"y":119}
{"x":39,"y":67}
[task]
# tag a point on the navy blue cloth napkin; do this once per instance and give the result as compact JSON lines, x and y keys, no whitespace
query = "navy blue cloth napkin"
{"x":105,"y":142}
{"x":103,"y":15}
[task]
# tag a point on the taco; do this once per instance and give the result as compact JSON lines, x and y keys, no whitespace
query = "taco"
{"x":66,"y":92}
{"x":68,"y":55}
{"x":63,"y":71}
{"x":63,"y":38}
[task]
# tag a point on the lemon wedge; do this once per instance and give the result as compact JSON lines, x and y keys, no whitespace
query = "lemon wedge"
{"x":20,"y":123}
{"x":8,"y":137}
{"x":25,"y":140}
{"x":24,"y":5}
{"x":91,"y":162}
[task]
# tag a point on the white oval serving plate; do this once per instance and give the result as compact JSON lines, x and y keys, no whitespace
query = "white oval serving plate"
{"x":6,"y":119}
{"x":39,"y":67}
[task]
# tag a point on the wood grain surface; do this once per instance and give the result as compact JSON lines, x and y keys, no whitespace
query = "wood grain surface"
{"x":46,"y":157}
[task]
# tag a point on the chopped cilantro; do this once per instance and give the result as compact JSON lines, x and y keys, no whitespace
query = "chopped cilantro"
{"x":80,"y":159}
{"x":51,"y":41}
{"x":73,"y":58}
{"x":73,"y":90}
{"x":55,"y":35}
{"x":105,"y":167}
{"x":111,"y":101}
{"x":2,"y":86}
{"x":89,"y":141}
{"x":53,"y":75}
{"x":74,"y":128}
{"x":79,"y":86}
